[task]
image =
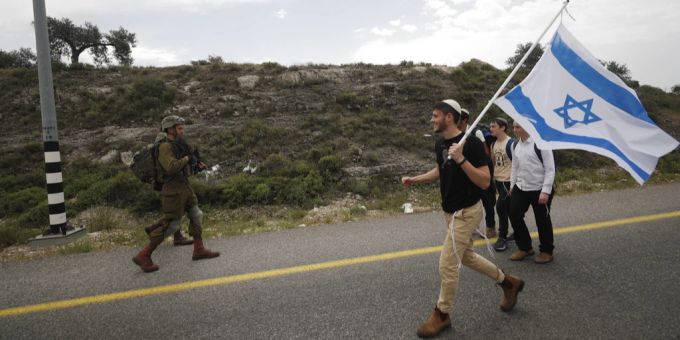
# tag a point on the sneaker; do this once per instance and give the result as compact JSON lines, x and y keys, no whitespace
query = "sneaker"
{"x":543,"y":258}
{"x":521,"y":255}
{"x":491,"y":233}
{"x":501,"y":244}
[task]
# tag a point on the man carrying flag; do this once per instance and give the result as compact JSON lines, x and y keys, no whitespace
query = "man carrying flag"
{"x":462,"y":173}
{"x":570,"y":101}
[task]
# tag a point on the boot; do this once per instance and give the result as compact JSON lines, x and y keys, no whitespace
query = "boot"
{"x":179,"y":240}
{"x":434,"y":325}
{"x":143,"y":259}
{"x":511,"y":287}
{"x":200,"y":252}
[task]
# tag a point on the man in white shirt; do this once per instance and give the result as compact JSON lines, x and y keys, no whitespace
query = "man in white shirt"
{"x":533,"y":174}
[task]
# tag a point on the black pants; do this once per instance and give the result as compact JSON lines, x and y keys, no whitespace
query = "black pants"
{"x":488,"y":201}
{"x":503,"y":208}
{"x":519,"y":204}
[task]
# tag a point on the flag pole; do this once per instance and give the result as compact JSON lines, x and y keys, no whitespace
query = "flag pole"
{"x":507,"y":80}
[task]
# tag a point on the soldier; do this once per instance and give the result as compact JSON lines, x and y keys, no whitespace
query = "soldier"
{"x":177,"y":196}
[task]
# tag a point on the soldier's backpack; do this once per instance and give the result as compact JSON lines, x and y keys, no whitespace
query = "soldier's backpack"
{"x":145,"y":164}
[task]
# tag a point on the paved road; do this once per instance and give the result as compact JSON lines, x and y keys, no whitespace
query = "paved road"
{"x":620,"y":281}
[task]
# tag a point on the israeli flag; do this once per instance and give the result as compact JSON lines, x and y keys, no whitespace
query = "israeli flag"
{"x":570,"y":101}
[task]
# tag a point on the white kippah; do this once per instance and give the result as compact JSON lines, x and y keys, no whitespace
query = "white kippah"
{"x":454,"y":104}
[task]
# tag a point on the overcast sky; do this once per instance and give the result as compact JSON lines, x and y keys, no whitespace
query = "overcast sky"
{"x":645,"y":35}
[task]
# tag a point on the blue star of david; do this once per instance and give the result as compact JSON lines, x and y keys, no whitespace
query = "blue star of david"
{"x":571,"y":103}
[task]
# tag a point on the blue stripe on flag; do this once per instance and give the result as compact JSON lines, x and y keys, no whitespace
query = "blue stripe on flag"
{"x":525,"y":107}
{"x":593,"y":80}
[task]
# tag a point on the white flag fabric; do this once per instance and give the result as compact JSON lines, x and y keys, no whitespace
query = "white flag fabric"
{"x":570,"y":101}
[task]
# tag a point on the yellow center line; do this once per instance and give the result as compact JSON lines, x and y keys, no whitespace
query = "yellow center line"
{"x":225,"y":280}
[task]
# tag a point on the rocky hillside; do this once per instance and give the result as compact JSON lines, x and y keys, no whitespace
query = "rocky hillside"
{"x":311,"y":131}
{"x":370,"y":115}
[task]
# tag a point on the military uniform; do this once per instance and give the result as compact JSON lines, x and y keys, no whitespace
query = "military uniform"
{"x":177,"y":197}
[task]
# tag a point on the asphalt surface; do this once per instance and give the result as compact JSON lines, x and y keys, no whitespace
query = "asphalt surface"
{"x":620,"y":282}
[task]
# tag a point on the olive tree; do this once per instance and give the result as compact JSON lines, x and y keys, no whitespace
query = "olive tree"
{"x":67,"y":39}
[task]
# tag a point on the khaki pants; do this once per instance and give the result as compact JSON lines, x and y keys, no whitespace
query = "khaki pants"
{"x":465,"y":222}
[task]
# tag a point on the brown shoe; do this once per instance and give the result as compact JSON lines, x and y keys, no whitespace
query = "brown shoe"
{"x":543,"y":258}
{"x":200,"y":252}
{"x":434,"y":325}
{"x":521,"y":255}
{"x":143,"y":259}
{"x":491,"y":233}
{"x":511,"y":287}
{"x":179,"y":240}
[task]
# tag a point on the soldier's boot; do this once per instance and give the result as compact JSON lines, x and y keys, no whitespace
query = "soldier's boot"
{"x":511,"y":287}
{"x":143,"y":258}
{"x":179,"y":240}
{"x":200,"y":252}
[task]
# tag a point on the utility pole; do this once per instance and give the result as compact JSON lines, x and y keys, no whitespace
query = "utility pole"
{"x":60,"y":232}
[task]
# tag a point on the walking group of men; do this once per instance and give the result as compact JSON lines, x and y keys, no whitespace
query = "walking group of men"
{"x":523,"y":177}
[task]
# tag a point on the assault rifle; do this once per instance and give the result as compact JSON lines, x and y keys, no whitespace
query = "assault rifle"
{"x":184,"y":149}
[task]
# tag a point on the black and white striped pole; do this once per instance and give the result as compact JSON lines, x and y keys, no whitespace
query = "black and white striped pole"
{"x":55,"y":186}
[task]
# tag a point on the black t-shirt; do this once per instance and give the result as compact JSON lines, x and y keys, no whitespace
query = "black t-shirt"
{"x":456,"y":188}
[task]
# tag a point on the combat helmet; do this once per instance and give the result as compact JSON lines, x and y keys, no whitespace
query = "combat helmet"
{"x":171,"y":121}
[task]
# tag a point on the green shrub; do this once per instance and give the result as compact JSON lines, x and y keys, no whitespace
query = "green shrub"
{"x":146,"y":100}
{"x":315,"y":153}
{"x":261,"y":194}
{"x":299,"y":190}
{"x":276,"y":164}
{"x":273,"y":68}
{"x":82,"y":174}
{"x":670,"y":164}
{"x":106,"y":218}
{"x":123,"y":190}
{"x":37,"y":216}
{"x":208,"y":193}
{"x":351,"y":100}
{"x":330,"y":167}
{"x":295,"y":192}
{"x":236,"y":189}
{"x":20,"y":201}
{"x":12,"y":233}
{"x":358,"y":186}
{"x":314,"y":184}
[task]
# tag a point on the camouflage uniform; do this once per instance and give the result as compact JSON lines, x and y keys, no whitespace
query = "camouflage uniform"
{"x":177,"y":196}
